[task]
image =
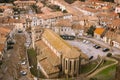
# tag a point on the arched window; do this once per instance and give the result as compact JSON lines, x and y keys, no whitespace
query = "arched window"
{"x":70,"y":65}
{"x":74,"y":65}
{"x":66,"y":64}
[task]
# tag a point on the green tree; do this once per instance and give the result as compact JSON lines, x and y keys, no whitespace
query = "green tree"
{"x":64,"y":11}
{"x":109,"y":54}
{"x":91,"y":30}
{"x":70,"y":1}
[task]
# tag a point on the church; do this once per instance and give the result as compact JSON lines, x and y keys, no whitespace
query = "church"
{"x":55,"y":55}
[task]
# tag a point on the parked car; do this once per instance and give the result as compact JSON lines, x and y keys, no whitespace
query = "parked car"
{"x":97,"y":46}
{"x":105,"y":49}
{"x":86,"y":41}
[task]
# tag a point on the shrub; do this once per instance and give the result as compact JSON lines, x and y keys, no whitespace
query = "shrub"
{"x":109,"y":54}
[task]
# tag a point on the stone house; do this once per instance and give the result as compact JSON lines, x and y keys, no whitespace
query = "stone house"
{"x":24,"y":4}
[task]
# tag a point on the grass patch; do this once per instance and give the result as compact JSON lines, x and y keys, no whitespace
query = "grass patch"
{"x":88,"y":67}
{"x":106,"y":62}
{"x":32,"y":57}
{"x":106,"y":74}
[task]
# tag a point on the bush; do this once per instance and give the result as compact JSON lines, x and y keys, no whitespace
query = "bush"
{"x":109,"y":54}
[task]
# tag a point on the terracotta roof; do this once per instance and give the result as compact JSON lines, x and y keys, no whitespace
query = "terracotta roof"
{"x":115,"y":23}
{"x":39,"y":4}
{"x":2,"y":40}
{"x":1,"y":47}
{"x":11,"y":20}
{"x":60,"y":45}
{"x":48,"y":67}
{"x":4,"y":31}
{"x":3,"y":7}
{"x":64,"y":23}
{"x":99,"y":31}
{"x":112,"y":35}
{"x":18,"y":2}
{"x":50,"y":15}
{"x":52,"y":58}
{"x":77,"y":26}
{"x":46,"y":10}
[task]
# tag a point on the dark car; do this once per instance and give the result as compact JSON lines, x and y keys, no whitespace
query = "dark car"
{"x":105,"y":49}
{"x":96,"y":46}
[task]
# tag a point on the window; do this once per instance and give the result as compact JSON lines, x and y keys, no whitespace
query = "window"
{"x":70,"y":65}
{"x":74,"y":65}
{"x":66,"y":64}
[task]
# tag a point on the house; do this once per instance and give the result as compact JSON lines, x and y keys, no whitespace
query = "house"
{"x":48,"y":20}
{"x":63,"y":27}
{"x":39,"y":4}
{"x":8,"y":12}
{"x":78,"y":29}
{"x":55,"y":55}
{"x":117,"y":1}
{"x":60,"y":3}
{"x":46,"y":10}
{"x":98,"y":32}
{"x":20,"y":24}
{"x":1,"y":51}
{"x":112,"y":38}
{"x":24,"y":4}
{"x":117,"y":9}
{"x":4,"y":32}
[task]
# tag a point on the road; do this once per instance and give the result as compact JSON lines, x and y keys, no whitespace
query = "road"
{"x":12,"y":66}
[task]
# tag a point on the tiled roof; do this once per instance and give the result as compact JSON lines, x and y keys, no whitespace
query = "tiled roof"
{"x":48,"y":67}
{"x":2,"y":40}
{"x":17,"y":2}
{"x":46,"y":10}
{"x":50,"y":15}
{"x":11,"y":20}
{"x":64,"y":23}
{"x":77,"y":26}
{"x":1,"y":47}
{"x":112,"y":35}
{"x":47,"y":52}
{"x":47,"y":59}
{"x":60,"y":45}
{"x":99,"y":31}
{"x":39,"y":4}
{"x":4,"y":31}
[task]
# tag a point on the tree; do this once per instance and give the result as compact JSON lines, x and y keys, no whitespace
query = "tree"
{"x":64,"y":11}
{"x":91,"y":30}
{"x":109,"y":54}
{"x":70,"y":1}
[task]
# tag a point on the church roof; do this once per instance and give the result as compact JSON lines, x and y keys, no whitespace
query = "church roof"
{"x":60,"y":45}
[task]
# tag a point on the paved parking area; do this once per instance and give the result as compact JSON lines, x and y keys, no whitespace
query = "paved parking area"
{"x":88,"y":48}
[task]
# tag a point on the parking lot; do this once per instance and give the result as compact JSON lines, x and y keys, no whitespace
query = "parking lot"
{"x":89,"y":48}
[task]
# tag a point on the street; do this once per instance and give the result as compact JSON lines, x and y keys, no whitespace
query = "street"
{"x":15,"y":64}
